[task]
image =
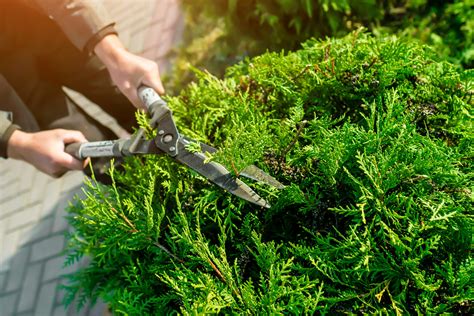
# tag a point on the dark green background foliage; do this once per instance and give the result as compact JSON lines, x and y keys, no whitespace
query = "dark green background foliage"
{"x":254,"y":26}
{"x":223,"y":32}
{"x":372,"y":138}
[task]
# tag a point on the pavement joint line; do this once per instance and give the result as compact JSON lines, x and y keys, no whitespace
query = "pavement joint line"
{"x":32,"y":221}
{"x":17,"y":302}
{"x":38,"y":286}
{"x":21,"y":208}
{"x":11,"y":273}
{"x":61,"y":253}
{"x":9,"y":182}
{"x":14,"y":195}
{"x":46,"y":237}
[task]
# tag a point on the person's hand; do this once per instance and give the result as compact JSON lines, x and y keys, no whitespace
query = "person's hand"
{"x":128,"y":71}
{"x":45,"y":150}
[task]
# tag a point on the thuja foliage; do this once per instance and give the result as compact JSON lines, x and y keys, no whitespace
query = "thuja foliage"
{"x":372,"y":138}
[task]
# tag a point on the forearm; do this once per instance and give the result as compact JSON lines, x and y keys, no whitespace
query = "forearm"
{"x":45,"y":150}
{"x":128,"y":71}
{"x":109,"y":50}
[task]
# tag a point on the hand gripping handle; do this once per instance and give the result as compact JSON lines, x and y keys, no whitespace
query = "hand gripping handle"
{"x":106,"y":148}
{"x":153,"y":103}
{"x":150,"y":97}
{"x":74,"y":150}
{"x":162,"y":119}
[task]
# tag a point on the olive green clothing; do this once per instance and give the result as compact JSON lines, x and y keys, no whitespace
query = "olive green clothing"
{"x":53,"y":50}
{"x":80,"y":20}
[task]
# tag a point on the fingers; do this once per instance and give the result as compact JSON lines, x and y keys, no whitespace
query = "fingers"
{"x":69,"y":162}
{"x":69,"y":136}
{"x":152,"y":80}
{"x":66,"y":160}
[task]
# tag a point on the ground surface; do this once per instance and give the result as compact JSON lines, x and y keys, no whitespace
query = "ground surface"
{"x":32,"y":216}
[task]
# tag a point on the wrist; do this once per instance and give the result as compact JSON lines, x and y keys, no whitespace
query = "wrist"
{"x":109,"y":50}
{"x":16,"y":143}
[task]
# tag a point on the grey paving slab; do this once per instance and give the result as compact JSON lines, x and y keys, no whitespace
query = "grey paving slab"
{"x":29,"y":292}
{"x":46,"y":294}
{"x":40,"y":230}
{"x":7,"y":304}
{"x":9,"y":242}
{"x":3,"y":280}
{"x":47,"y":248}
{"x":54,"y":269}
{"x":59,"y":311}
{"x":17,"y":271}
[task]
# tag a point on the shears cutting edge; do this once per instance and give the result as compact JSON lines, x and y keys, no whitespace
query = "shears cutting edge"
{"x":170,"y":142}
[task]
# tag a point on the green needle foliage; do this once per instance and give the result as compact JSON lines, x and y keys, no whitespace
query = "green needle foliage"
{"x":372,"y":138}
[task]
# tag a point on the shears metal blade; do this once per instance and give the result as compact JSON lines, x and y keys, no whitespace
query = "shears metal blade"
{"x":170,"y":142}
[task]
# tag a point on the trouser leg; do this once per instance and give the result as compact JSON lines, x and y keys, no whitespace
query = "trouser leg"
{"x":11,"y":102}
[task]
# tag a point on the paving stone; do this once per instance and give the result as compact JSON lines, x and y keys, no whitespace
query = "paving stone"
{"x":54,"y":268}
{"x":3,"y":228}
{"x":4,"y":265}
{"x":17,"y":270}
{"x":23,"y":217}
{"x":13,"y":204}
{"x":8,"y":248}
{"x":71,"y":180}
{"x":45,"y":303}
{"x":30,"y":289}
{"x":7,"y":304}
{"x":48,"y":203}
{"x":47,"y":248}
{"x":3,"y":278}
{"x":60,"y":222}
{"x":27,"y":175}
{"x":60,"y":311}
{"x":40,"y":181}
{"x":38,"y":231}
{"x":7,"y":185}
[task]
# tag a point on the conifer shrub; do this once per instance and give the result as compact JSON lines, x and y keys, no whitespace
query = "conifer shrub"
{"x":372,"y":138}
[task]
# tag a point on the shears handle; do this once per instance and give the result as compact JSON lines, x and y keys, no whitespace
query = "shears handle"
{"x":106,"y":148}
{"x":111,"y":148}
{"x":150,"y":99}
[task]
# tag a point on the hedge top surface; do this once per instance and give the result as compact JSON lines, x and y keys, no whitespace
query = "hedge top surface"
{"x":373,"y":138}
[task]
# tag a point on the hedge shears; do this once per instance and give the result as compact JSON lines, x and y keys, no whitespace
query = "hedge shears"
{"x":178,"y":147}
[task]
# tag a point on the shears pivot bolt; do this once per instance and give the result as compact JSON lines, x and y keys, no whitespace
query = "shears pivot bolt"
{"x":167,"y":138}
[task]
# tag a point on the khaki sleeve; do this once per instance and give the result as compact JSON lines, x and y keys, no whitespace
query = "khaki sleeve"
{"x":85,"y":22}
{"x":6,"y":130}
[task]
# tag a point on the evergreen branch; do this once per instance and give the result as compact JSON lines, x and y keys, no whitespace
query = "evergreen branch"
{"x":214,"y":267}
{"x":293,"y":141}
{"x":134,"y":229}
{"x":168,"y":252}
